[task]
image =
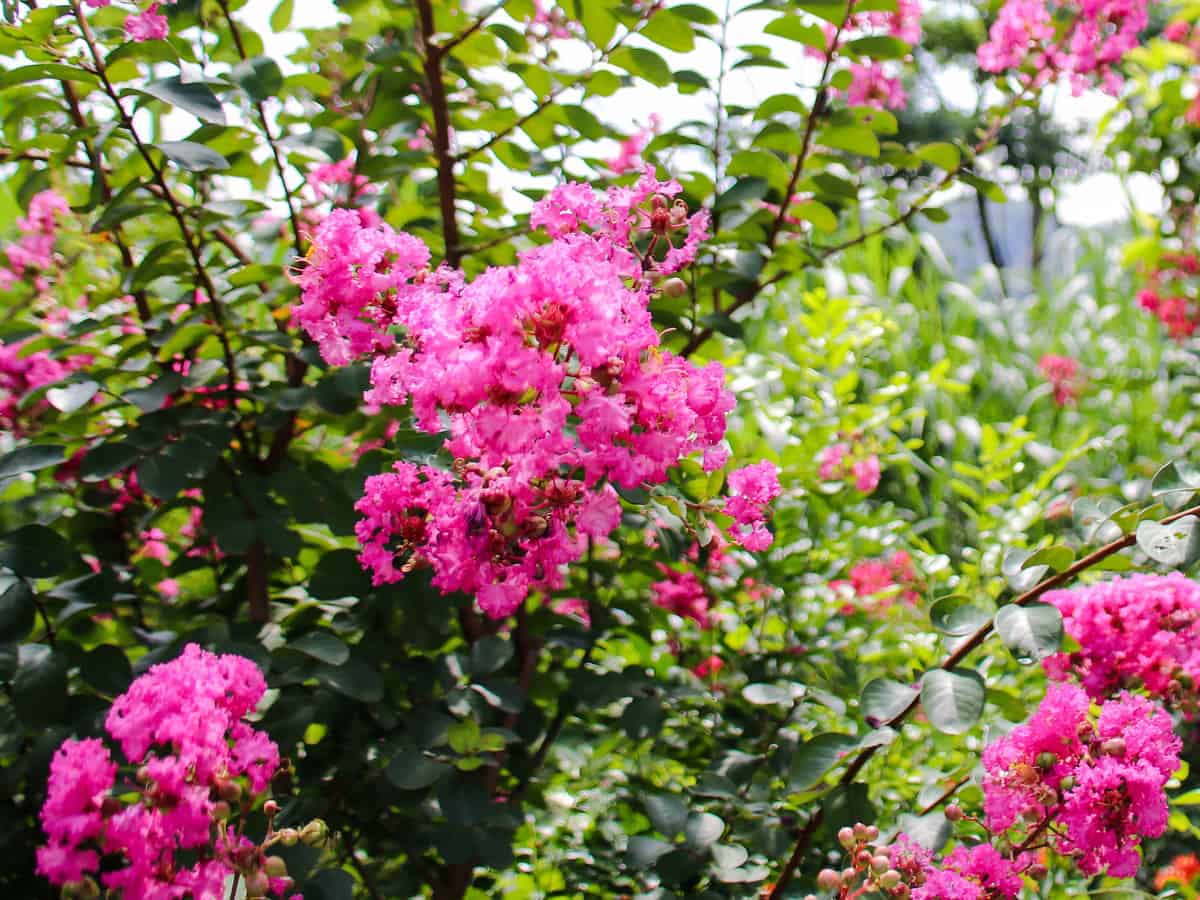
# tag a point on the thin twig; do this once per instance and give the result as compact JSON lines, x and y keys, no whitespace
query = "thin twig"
{"x":479,"y":22}
{"x":431,"y":56}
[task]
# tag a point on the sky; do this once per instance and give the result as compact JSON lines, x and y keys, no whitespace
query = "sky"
{"x":1096,"y":199}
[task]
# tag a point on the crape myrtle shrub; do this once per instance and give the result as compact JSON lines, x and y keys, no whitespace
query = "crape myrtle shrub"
{"x":422,"y":479}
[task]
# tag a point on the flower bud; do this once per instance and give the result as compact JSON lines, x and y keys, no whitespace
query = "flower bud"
{"x":1046,"y":760}
{"x":314,"y":833}
{"x":1113,"y":747}
{"x":829,"y":880}
{"x":221,"y":811}
{"x":674,"y":288}
{"x":880,"y":863}
{"x":257,"y":885}
{"x":288,"y":837}
{"x":229,"y":790}
{"x":861,"y":831}
{"x":954,"y":813}
{"x":889,"y":879}
{"x":1067,"y":783}
{"x":270,"y":807}
{"x":846,"y":838}
{"x":1037,"y":871}
{"x":275,"y":867}
{"x":872,"y":833}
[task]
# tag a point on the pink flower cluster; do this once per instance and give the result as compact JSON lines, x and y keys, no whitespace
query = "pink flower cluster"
{"x":1096,"y":783}
{"x":905,"y":869}
{"x":181,"y":727}
{"x":1170,"y":294}
{"x":1097,"y":34}
{"x":751,"y":489}
{"x":33,"y":253}
{"x":682,"y":593}
{"x":880,"y":581}
{"x":548,"y":374}
{"x":629,"y":156}
{"x":1142,"y":631}
{"x":146,"y":25}
{"x":21,"y":373}
{"x":844,"y":460}
{"x":872,"y":85}
{"x":1061,"y":372}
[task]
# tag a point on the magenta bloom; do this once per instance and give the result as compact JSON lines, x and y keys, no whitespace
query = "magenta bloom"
{"x":180,"y":728}
{"x":751,"y":489}
{"x":1061,"y":372}
{"x":149,"y":25}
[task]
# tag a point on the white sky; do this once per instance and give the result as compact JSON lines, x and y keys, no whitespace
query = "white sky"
{"x":1094,"y":200}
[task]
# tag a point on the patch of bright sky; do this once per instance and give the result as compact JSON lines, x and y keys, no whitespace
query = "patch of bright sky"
{"x":1095,"y":199}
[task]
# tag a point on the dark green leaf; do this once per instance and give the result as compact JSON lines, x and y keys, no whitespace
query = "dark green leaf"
{"x":412,"y":770}
{"x":321,"y":646}
{"x":18,"y":611}
{"x":953,"y":699}
{"x":667,"y":812}
{"x":883,"y":699}
{"x":816,"y":756}
{"x":955,"y":615}
{"x":36,"y":551}
{"x":39,"y":689}
{"x":30,"y":459}
{"x":490,"y":654}
{"x":106,"y":669}
{"x":1032,"y":632}
{"x":194,"y":97}
{"x":192,"y":156}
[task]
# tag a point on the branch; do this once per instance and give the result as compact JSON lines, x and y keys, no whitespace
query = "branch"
{"x":431,"y":55}
{"x":474,"y":27}
{"x":978,"y":637}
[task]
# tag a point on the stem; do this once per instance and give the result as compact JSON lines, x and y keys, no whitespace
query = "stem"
{"x":260,"y":107}
{"x":978,"y":637}
{"x":431,"y":54}
{"x":479,"y":22}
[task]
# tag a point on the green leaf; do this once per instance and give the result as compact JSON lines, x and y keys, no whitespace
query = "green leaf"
{"x":338,"y":575}
{"x":39,"y":689}
{"x":643,"y":63}
{"x":192,"y":156}
{"x":18,"y":612}
{"x":106,"y":460}
{"x":106,"y":669}
{"x":1019,"y":571}
{"x":1058,"y":558}
{"x":412,"y":770}
{"x":36,"y":551}
{"x":1092,"y":518}
{"x":879,"y":47}
{"x":162,"y":476}
{"x":953,"y":699}
{"x":194,"y":97}
{"x":643,"y":852}
{"x":1175,"y":483}
{"x":354,"y":679}
{"x":597,"y":19}
{"x":43,"y":71}
{"x":464,"y":736}
{"x":955,"y":615}
{"x":31,"y":458}
{"x":669,"y":30}
{"x":668,"y":813}
{"x":258,"y":76}
{"x":703,"y":830}
{"x":883,"y":699}
{"x":769,"y":694}
{"x":816,"y":756}
{"x":1032,"y":632}
{"x":1176,"y":545}
{"x":73,"y":396}
{"x":943,"y":155}
{"x":794,"y":28}
{"x":490,"y":654}
{"x":321,"y":646}
{"x":281,"y":17}
{"x":851,"y":138}
{"x":834,"y":13}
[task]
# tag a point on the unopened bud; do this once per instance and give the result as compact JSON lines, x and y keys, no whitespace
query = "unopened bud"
{"x":221,"y":811}
{"x":1067,"y":783}
{"x":288,"y":837}
{"x":275,"y":867}
{"x":861,"y":831}
{"x":1046,"y":760}
{"x":829,"y":880}
{"x":314,"y":833}
{"x":880,"y":863}
{"x":257,"y":885}
{"x":872,"y":833}
{"x":889,"y":879}
{"x":230,"y":790}
{"x":954,"y":813}
{"x":674,"y":288}
{"x":848,"y":875}
{"x":1037,"y":871}
{"x":270,"y":807}
{"x":846,"y":838}
{"x":1113,"y":747}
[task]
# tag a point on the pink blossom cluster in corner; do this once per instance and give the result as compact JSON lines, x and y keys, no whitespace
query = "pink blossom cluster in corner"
{"x":32,"y":254}
{"x":181,"y":729}
{"x":549,"y":375}
{"x":1170,"y":294}
{"x":978,"y":872}
{"x":146,"y":25}
{"x":21,"y":373}
{"x":1062,"y":372}
{"x":879,"y":582}
{"x":848,"y":460}
{"x":1141,"y":631}
{"x":751,"y":490}
{"x":1096,"y":36}
{"x":1097,"y":782}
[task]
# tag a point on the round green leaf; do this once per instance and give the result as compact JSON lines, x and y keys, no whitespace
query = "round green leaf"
{"x":1176,"y":545}
{"x":36,"y":551}
{"x":955,"y":615}
{"x":817,"y":756}
{"x":1032,"y":632}
{"x":17,"y":612}
{"x":30,"y":459}
{"x":39,"y":689}
{"x":883,"y":699}
{"x":953,"y":699}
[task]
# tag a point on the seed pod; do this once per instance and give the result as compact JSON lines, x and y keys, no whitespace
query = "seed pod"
{"x":829,"y":880}
{"x":674,"y":288}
